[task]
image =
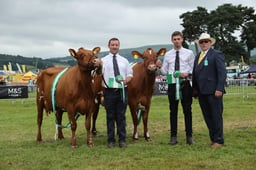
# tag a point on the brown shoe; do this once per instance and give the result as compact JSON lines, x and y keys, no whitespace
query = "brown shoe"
{"x":216,"y":145}
{"x":211,"y":143}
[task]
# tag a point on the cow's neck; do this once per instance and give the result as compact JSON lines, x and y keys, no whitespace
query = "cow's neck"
{"x":86,"y":79}
{"x":149,"y":79}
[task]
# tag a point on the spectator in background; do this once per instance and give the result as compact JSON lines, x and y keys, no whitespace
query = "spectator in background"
{"x":249,"y":76}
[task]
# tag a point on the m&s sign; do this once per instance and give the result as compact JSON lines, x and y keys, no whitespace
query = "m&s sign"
{"x":7,"y":92}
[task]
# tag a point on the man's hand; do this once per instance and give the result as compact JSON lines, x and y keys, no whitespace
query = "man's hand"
{"x":159,"y":63}
{"x":218,"y":93}
{"x":183,"y":75}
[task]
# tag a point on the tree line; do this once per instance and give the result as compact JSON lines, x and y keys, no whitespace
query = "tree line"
{"x":34,"y":62}
{"x":233,"y":27}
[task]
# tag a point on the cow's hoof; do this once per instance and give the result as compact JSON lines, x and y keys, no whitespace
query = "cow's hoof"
{"x":148,"y":139}
{"x":135,"y":139}
{"x":39,"y":139}
{"x":94,"y":132}
{"x":90,"y":145}
{"x":60,"y":137}
{"x":74,"y":146}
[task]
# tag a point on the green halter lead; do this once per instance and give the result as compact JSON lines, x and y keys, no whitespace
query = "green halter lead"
{"x":119,"y":79}
{"x":53,"y":97}
{"x":178,"y":81}
{"x":54,"y":85}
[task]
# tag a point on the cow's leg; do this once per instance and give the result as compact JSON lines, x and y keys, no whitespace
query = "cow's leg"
{"x":145,"y":123}
{"x":135,"y":135}
{"x":94,"y":118}
{"x":40,"y":109}
{"x":59,"y":114}
{"x":88,"y":130}
{"x":71,"y":116}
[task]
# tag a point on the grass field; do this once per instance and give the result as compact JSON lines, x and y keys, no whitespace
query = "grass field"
{"x":19,"y":149}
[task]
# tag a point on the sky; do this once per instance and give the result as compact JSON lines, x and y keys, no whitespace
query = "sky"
{"x":48,"y":28}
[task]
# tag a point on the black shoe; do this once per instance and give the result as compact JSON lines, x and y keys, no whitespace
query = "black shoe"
{"x":111,"y":145}
{"x":122,"y":145}
{"x":173,"y":141}
{"x":190,"y":141}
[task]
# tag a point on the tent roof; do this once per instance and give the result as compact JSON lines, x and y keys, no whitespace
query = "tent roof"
{"x":252,"y":69}
{"x":30,"y":73}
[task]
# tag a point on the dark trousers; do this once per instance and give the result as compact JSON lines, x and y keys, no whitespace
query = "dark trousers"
{"x":186,"y":103}
{"x":212,"y":109}
{"x":115,"y":109}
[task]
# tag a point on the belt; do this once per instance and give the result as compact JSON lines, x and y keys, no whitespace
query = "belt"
{"x":112,"y":89}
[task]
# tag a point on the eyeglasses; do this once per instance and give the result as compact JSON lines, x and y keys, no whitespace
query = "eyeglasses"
{"x":203,"y":41}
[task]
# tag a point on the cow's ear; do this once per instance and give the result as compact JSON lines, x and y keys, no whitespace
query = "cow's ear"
{"x":96,"y":50}
{"x":136,"y":54}
{"x":161,"y":52}
{"x":72,"y":52}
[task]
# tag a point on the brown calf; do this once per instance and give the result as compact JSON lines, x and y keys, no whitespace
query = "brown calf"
{"x":141,"y":88}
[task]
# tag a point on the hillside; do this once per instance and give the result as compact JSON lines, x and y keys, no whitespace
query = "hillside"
{"x":39,"y":63}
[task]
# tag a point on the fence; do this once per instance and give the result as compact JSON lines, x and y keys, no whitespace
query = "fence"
{"x":244,"y":87}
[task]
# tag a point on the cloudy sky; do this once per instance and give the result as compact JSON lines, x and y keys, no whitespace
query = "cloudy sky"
{"x":48,"y":28}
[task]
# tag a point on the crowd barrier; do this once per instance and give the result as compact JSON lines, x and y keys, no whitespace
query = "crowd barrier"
{"x":244,"y":87}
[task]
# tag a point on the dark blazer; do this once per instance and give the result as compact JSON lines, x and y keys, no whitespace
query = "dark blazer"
{"x":211,"y":76}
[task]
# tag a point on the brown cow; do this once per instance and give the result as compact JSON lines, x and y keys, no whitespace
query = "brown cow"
{"x":141,"y":88}
{"x":74,"y":92}
{"x":97,"y":89}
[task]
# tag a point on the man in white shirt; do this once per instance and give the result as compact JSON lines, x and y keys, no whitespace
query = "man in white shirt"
{"x":178,"y":66}
{"x":117,"y":73}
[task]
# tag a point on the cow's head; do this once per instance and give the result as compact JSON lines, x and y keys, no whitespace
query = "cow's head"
{"x":150,"y":58}
{"x":87,"y":59}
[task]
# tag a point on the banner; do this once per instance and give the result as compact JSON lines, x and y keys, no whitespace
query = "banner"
{"x":5,"y":68}
{"x":10,"y":92}
{"x":23,"y":66}
{"x":161,"y":88}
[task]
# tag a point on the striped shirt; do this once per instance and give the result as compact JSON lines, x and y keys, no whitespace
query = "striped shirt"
{"x":108,"y":70}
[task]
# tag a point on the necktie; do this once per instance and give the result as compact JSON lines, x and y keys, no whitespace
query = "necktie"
{"x":201,"y":57}
{"x":177,"y":61}
{"x":116,"y":69}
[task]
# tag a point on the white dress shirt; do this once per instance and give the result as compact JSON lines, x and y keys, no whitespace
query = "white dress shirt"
{"x":186,"y":62}
{"x":108,"y":71}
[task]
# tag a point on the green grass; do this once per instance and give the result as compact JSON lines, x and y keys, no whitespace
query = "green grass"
{"x":19,"y":149}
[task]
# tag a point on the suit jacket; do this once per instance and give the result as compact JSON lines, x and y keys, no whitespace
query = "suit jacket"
{"x":210,"y":74}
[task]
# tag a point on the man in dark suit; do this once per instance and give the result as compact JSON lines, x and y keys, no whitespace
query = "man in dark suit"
{"x":208,"y":79}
